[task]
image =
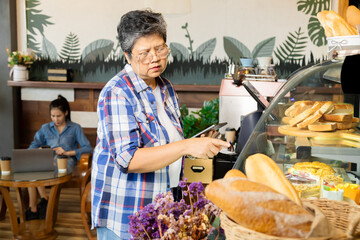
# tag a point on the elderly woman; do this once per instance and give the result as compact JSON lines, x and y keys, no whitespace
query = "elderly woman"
{"x":140,"y":146}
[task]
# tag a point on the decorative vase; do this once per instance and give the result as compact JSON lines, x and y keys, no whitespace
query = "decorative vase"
{"x":19,"y":73}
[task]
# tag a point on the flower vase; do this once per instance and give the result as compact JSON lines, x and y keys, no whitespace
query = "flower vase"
{"x":19,"y":73}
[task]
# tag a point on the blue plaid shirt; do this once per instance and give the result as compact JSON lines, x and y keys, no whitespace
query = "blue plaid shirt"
{"x":128,"y":120}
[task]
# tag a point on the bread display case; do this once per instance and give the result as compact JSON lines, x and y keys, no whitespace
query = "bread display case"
{"x":313,"y":119}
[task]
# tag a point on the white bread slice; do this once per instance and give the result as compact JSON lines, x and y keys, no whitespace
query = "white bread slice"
{"x":301,"y":107}
{"x":286,"y":119}
{"x":355,"y":120}
{"x":298,"y":104}
{"x":344,"y":106}
{"x":300,"y":117}
{"x":325,"y":108}
{"x":344,"y":125}
{"x":322,"y":126}
{"x":339,"y":115}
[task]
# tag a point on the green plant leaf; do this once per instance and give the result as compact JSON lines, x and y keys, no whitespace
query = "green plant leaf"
{"x":264,"y":48}
{"x":313,"y":7}
{"x":235,"y":49}
{"x":293,"y":47}
{"x":205,"y":50}
{"x":48,"y":50}
{"x":99,"y":49}
{"x":316,"y":32}
{"x":70,"y":51}
{"x":179,"y":51}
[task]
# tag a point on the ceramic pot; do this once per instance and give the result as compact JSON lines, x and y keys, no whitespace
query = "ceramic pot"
{"x":19,"y":73}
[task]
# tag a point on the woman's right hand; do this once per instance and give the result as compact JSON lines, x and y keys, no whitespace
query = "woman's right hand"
{"x":204,"y":147}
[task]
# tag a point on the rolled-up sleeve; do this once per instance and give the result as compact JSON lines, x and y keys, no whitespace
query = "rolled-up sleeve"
{"x":84,"y":143}
{"x":39,"y":139}
{"x":120,"y":128}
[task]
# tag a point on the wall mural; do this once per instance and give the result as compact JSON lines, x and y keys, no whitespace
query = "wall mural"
{"x":102,"y":58}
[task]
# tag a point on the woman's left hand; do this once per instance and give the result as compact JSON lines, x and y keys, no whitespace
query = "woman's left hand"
{"x":59,"y":151}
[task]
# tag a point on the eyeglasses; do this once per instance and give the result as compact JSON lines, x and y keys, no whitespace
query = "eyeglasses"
{"x":146,"y":57}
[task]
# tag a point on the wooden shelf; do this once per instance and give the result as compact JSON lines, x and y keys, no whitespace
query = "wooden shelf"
{"x":85,"y":85}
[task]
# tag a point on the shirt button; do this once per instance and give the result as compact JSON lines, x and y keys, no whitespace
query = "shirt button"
{"x":152,"y":102}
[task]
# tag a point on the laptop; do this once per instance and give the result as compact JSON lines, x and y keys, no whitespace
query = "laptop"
{"x":32,"y":160}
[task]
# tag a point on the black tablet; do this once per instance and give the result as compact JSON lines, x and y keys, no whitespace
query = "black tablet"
{"x":213,"y":127}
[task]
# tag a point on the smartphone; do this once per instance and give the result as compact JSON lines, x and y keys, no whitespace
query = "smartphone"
{"x":213,"y":127}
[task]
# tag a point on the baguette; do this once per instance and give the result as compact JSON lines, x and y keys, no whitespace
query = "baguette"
{"x":322,"y":126}
{"x":262,"y":169}
{"x":259,"y":208}
{"x":305,"y":114}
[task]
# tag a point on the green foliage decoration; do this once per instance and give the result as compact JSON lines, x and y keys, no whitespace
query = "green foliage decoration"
{"x":99,"y":49}
{"x":201,"y":119}
{"x":70,"y":51}
{"x":236,"y":49}
{"x":293,"y":47}
{"x":315,"y":30}
{"x":203,"y":52}
{"x":35,"y":20}
{"x":48,"y":50}
{"x":312,"y":7}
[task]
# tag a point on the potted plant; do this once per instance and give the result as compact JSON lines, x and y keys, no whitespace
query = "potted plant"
{"x":20,"y":62}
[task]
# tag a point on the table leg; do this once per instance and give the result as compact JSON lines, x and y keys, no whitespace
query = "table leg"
{"x":52,"y":208}
{"x":21,"y":203}
{"x":2,"y":208}
{"x":12,"y":213}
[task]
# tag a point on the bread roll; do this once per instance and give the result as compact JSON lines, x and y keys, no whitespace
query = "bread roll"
{"x":262,"y":169}
{"x":353,"y":15}
{"x":258,"y":207}
{"x":234,"y":173}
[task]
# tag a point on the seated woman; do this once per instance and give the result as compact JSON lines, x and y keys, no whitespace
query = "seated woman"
{"x":63,"y":136}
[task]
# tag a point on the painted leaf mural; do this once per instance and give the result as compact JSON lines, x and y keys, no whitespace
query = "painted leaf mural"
{"x":179,"y":51}
{"x":99,"y":49}
{"x":205,"y":50}
{"x":316,"y":32}
{"x":70,"y":51}
{"x":313,"y":7}
{"x":48,"y":50}
{"x":264,"y":48}
{"x":235,"y":49}
{"x":293,"y":47}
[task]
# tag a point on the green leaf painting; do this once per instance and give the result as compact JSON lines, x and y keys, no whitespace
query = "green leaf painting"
{"x":205,"y":50}
{"x":99,"y":49}
{"x":313,"y":7}
{"x":293,"y":47}
{"x":236,"y":49}
{"x":316,"y":32}
{"x":264,"y":48}
{"x":35,"y":20}
{"x":179,"y":51}
{"x":70,"y":51}
{"x":48,"y":50}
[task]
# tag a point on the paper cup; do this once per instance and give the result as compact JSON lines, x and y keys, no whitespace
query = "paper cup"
{"x":5,"y":165}
{"x":230,"y":135}
{"x":62,"y":164}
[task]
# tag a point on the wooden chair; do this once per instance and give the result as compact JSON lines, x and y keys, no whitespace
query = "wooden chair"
{"x":86,"y":204}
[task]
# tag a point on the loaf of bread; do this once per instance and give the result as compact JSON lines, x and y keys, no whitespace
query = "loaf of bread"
{"x":234,"y":173}
{"x":352,"y":15}
{"x":334,"y":25}
{"x":258,"y":207}
{"x":262,"y":169}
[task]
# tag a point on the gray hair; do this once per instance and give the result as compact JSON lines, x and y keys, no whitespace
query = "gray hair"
{"x":139,"y":23}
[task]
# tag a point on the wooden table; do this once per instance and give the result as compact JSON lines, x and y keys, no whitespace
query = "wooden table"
{"x":33,"y":229}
